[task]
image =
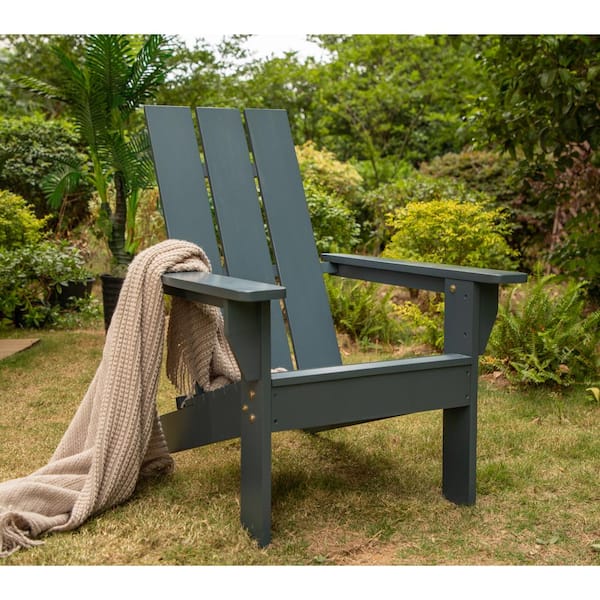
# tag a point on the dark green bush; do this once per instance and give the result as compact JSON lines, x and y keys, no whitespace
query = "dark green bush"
{"x":578,"y":255}
{"x":543,"y":336}
{"x":334,"y":226}
{"x":31,"y":150}
{"x":31,"y":278}
{"x":480,"y":170}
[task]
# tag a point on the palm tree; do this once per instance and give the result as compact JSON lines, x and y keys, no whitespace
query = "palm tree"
{"x":103,"y":91}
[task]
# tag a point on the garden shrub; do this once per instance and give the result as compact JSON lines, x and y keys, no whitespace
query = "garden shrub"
{"x":31,"y":150}
{"x":30,"y":277}
{"x":575,"y":242}
{"x":578,"y":255}
{"x":452,"y":232}
{"x":18,"y":223}
{"x":321,"y":168}
{"x":543,"y":336}
{"x":413,"y":186}
{"x":331,"y":188}
{"x":334,"y":226}
{"x":426,"y":326}
{"x":482,"y":171}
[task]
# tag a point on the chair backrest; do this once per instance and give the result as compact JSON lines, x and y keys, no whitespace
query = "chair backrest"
{"x":245,"y":183}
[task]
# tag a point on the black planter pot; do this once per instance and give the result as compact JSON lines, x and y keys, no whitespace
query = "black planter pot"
{"x":73,"y":289}
{"x":111,"y":288}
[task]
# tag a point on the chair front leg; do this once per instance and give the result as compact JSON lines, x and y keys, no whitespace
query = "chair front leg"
{"x":462,"y":335}
{"x":248,"y":331}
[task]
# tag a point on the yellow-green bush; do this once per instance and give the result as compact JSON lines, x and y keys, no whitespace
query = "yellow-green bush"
{"x":451,"y":232}
{"x":321,"y":168}
{"x":470,"y":234}
{"x":18,"y":223}
{"x":410,"y":186}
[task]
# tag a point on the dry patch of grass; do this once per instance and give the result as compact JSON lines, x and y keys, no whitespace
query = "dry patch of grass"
{"x":363,"y":495}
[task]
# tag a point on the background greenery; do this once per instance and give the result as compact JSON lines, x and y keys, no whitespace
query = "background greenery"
{"x":476,"y":149}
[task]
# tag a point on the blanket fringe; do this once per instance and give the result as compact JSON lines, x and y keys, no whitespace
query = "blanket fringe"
{"x":14,"y":534}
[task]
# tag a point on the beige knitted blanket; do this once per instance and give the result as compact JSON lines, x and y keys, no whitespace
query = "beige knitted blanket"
{"x":115,"y":436}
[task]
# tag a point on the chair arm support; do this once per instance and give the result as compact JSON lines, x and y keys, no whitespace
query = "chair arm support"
{"x":217,"y":289}
{"x":426,"y":276}
{"x":471,"y":294}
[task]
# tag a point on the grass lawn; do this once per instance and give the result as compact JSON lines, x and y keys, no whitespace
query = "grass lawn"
{"x":363,"y":495}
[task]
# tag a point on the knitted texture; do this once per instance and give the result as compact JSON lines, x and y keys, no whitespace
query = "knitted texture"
{"x":116,"y":436}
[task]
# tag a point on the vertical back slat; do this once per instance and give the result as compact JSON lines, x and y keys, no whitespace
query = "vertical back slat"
{"x":240,"y":220}
{"x":180,"y":177}
{"x":307,"y":305}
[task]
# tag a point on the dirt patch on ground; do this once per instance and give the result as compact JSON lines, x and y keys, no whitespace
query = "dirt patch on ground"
{"x":338,"y":547}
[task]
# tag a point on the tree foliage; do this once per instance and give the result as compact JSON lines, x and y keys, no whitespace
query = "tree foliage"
{"x":544,"y":109}
{"x":545,"y":94}
{"x":32,"y":55}
{"x":390,"y":104}
{"x":397,"y":96}
{"x":203,"y":75}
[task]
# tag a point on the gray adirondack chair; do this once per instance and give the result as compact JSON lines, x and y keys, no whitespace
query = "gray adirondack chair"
{"x":316,"y":392}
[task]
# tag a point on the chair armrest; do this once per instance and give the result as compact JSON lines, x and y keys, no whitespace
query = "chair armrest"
{"x":427,"y":276}
{"x":247,"y":307}
{"x":216,"y":289}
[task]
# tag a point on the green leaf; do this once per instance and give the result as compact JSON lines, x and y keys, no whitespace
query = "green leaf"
{"x":549,"y":542}
{"x":565,"y":75}
{"x":547,"y":78}
{"x":595,"y":392}
{"x":596,"y":547}
{"x":593,"y":72}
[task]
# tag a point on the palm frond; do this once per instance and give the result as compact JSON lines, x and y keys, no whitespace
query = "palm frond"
{"x":148,"y":70}
{"x":140,"y":146}
{"x":37,"y":86}
{"x":107,"y":62}
{"x":131,"y":157}
{"x":65,"y":180}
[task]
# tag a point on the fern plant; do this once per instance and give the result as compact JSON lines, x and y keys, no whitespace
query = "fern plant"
{"x":364,"y":311}
{"x":542,"y":335}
